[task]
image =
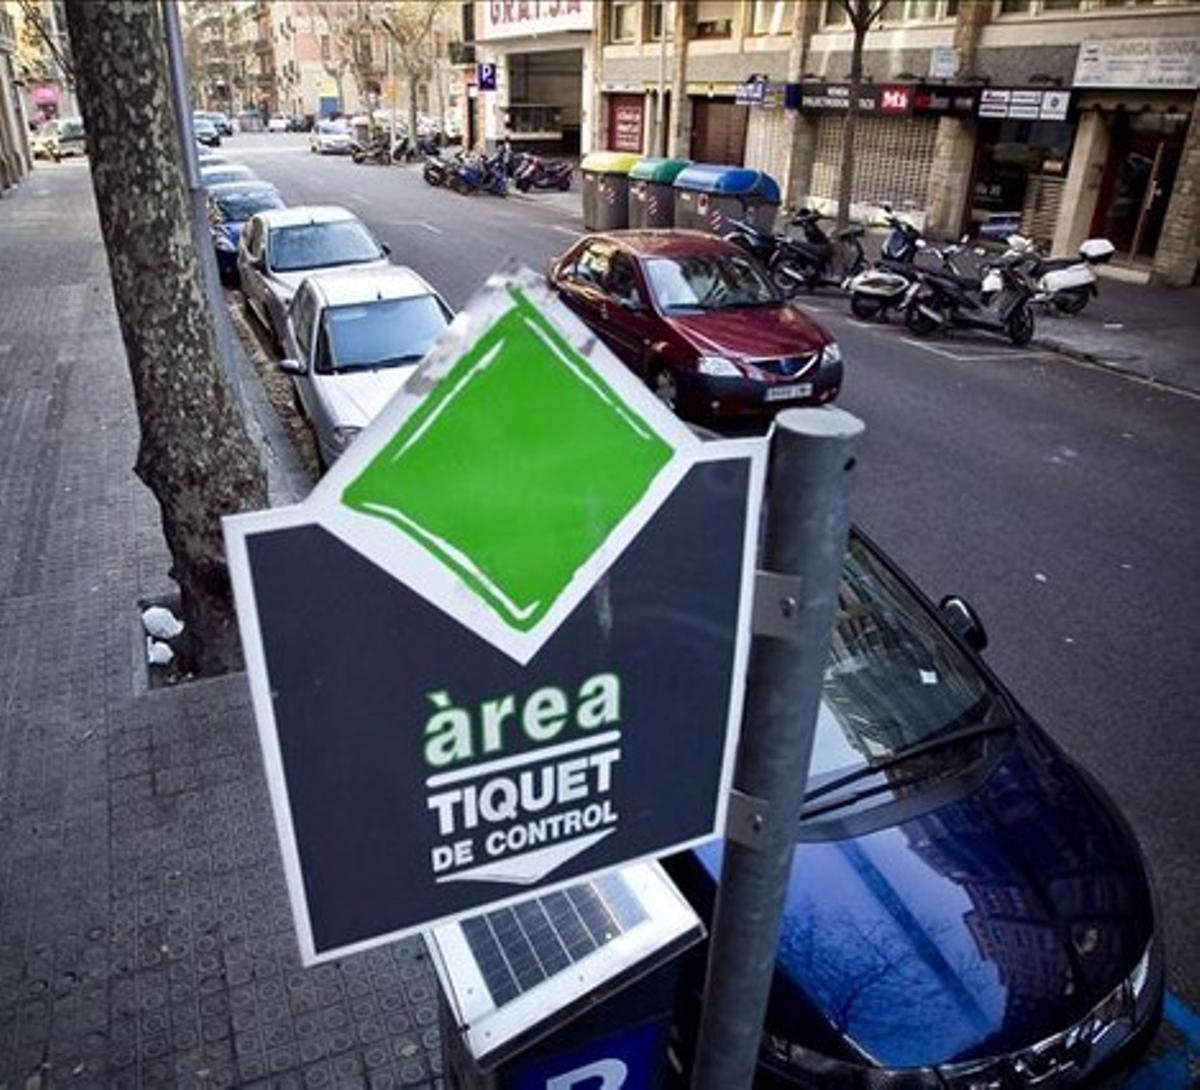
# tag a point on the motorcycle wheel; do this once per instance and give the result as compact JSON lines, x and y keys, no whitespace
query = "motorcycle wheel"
{"x":918,"y":321}
{"x":864,"y":306}
{"x":790,"y":277}
{"x":565,"y":184}
{"x":1020,"y":325}
{"x":1072,"y":300}
{"x":523,"y":184}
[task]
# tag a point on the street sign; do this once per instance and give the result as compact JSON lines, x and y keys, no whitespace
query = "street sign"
{"x":943,"y":62}
{"x":485,"y":77}
{"x":502,"y":645}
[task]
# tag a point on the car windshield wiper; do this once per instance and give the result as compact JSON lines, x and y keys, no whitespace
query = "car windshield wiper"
{"x":387,"y":361}
{"x":909,"y":753}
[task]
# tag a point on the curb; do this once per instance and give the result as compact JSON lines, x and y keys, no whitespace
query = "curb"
{"x":1116,"y":367}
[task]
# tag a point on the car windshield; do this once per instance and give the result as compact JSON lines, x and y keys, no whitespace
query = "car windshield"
{"x":334,"y":127}
{"x":894,"y":678}
{"x":709,"y":282}
{"x":241,"y":204}
{"x":321,"y":245}
{"x":386,"y":333}
{"x":221,"y":175}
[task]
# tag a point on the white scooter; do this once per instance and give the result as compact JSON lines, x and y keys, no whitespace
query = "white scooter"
{"x":1065,"y":283}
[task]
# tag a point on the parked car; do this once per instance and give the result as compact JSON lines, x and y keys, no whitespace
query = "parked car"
{"x":279,"y":123}
{"x":698,"y":319}
{"x":967,"y":908}
{"x":279,"y":249}
{"x":355,"y":339}
{"x":223,"y":173}
{"x":206,"y":132}
{"x":207,"y":158}
{"x":331,"y":138}
{"x":219,"y":120}
{"x":59,"y":139}
{"x":230,"y":205}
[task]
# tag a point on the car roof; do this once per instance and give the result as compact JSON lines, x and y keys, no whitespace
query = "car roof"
{"x":306,"y":213}
{"x":246,"y":185}
{"x":345,"y":287}
{"x":667,"y":242}
{"x":225,"y":168}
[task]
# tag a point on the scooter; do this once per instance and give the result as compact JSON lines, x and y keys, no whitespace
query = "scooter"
{"x":534,"y":172}
{"x":888,"y":284}
{"x":800,"y":263}
{"x":373,"y":151}
{"x":944,"y":299}
{"x":1064,"y":283}
{"x":436,"y":170}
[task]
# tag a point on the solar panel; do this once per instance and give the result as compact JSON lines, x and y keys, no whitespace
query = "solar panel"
{"x":505,"y":973}
{"x":519,"y":947}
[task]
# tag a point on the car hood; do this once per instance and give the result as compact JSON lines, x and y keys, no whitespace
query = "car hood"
{"x":354,"y":399}
{"x":752,"y":332}
{"x":286,"y":283}
{"x":977,"y":928}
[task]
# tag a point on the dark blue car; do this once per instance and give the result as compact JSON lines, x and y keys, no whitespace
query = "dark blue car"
{"x":230,"y":205}
{"x":967,"y":910}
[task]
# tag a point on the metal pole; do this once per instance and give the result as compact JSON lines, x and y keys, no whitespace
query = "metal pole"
{"x":660,"y":112}
{"x":392,"y":96}
{"x":806,"y":523}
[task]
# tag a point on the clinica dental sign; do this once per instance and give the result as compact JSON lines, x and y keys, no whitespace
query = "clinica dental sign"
{"x":502,"y":644}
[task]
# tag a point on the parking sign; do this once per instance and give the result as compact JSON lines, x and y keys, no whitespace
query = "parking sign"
{"x":485,"y":76}
{"x":502,"y":645}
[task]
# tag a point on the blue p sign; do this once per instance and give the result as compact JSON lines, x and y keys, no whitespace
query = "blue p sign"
{"x":485,"y":77}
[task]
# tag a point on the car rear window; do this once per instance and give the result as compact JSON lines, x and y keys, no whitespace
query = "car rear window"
{"x":241,"y":205}
{"x":386,"y":333}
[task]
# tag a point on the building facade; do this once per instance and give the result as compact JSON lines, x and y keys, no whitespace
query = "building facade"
{"x":1067,"y":118}
{"x":15,"y":158}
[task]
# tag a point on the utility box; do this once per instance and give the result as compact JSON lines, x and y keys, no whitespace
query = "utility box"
{"x":606,"y":189}
{"x":573,"y":990}
{"x":709,"y":195}
{"x":652,"y":193}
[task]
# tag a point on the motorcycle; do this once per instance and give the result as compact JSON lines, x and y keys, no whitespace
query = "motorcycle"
{"x":495,"y":176}
{"x":436,"y":170}
{"x":1065,"y":283}
{"x":943,"y":298}
{"x":374,"y":151}
{"x":805,"y":263}
{"x":534,"y":172}
{"x":888,"y":284}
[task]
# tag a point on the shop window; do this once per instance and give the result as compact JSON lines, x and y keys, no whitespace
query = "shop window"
{"x":714,"y":19}
{"x":1015,"y":7}
{"x":1061,"y":5}
{"x":622,"y":21}
{"x":771,"y":17}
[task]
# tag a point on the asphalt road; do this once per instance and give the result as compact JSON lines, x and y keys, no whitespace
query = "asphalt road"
{"x":1059,"y":498}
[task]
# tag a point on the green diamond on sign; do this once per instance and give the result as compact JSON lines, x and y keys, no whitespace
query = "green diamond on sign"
{"x":516,"y":468}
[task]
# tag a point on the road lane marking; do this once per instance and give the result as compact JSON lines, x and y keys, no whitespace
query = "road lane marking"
{"x":360,"y":197}
{"x":973,"y":357}
{"x":565,"y":230}
{"x":433,"y":229}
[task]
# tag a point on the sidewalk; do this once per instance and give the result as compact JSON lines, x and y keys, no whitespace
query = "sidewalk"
{"x":145,"y":934}
{"x":1138,"y":328}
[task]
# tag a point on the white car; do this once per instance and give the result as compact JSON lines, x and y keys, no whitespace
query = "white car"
{"x":278,"y":123}
{"x":279,"y":249}
{"x":356,"y":338}
{"x":331,"y":138}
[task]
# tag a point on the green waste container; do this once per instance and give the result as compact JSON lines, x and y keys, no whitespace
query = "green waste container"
{"x":606,"y":189}
{"x":651,"y":196}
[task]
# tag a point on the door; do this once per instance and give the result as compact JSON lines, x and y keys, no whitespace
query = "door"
{"x":625,"y":319}
{"x":1138,"y":178}
{"x":718,"y":131}
{"x":583,"y":285}
{"x":249,"y":274}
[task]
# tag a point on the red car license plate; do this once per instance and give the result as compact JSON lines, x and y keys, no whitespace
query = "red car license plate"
{"x":789,"y":393}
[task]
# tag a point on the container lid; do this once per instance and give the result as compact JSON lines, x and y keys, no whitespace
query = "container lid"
{"x":728,"y":181}
{"x":609,"y":162}
{"x":659,"y":170}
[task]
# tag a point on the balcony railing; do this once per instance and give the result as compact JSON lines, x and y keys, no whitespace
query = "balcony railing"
{"x":462,"y":52}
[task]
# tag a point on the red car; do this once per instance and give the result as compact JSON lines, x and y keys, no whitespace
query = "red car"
{"x":699,"y":321}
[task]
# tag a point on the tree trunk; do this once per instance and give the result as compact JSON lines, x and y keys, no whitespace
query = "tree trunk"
{"x":195,"y":454}
{"x":412,"y":75}
{"x":846,"y":178}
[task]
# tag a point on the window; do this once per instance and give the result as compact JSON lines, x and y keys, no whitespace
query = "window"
{"x":718,"y":281}
{"x":771,"y":17}
{"x":622,"y":21}
{"x":622,"y":280}
{"x":835,"y":15}
{"x":654,"y":20}
{"x":592,"y":267}
{"x":714,"y":19}
{"x":302,"y":319}
{"x":321,"y":246}
{"x":325,"y":54}
{"x":387,"y":333}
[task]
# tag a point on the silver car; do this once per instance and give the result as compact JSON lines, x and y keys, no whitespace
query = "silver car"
{"x":279,"y":249}
{"x":356,"y":338}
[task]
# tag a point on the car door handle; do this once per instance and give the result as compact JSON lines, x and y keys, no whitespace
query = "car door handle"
{"x":604,"y":311}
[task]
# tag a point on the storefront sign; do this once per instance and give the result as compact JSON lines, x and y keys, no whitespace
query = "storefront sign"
{"x":945,"y":100}
{"x":625,"y":123}
{"x":489,"y":654}
{"x":485,"y":76}
{"x":750,"y":93}
{"x":889,"y":99}
{"x":1147,"y":63}
{"x":518,"y":18}
{"x":1024,"y":104}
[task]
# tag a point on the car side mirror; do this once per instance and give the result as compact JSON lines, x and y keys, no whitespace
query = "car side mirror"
{"x":631,"y":303}
{"x":291,"y":366}
{"x":964,"y":240}
{"x":385,"y":248}
{"x":964,"y":622}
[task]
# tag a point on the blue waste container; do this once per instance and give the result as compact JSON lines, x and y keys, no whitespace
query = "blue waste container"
{"x":709,"y":195}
